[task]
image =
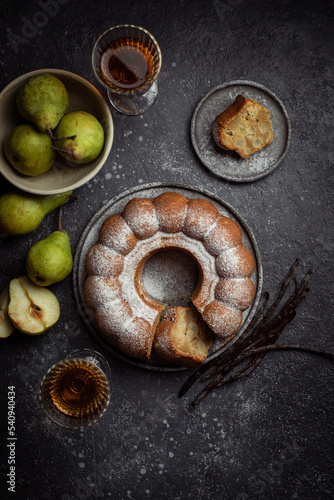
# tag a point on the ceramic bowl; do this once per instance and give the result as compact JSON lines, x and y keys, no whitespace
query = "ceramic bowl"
{"x":63,"y":175}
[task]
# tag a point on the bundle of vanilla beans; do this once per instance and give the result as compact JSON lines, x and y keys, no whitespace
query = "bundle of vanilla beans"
{"x":254,"y":343}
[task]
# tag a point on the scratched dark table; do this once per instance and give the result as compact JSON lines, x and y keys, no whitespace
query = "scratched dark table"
{"x":269,"y":435}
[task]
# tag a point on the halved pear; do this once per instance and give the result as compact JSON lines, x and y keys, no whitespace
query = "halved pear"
{"x":33,"y":309}
{"x":6,"y":325}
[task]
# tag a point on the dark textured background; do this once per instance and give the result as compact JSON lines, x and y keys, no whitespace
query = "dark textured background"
{"x":269,"y":436}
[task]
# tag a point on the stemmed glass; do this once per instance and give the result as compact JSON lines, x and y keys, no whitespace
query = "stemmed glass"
{"x":126,"y":59}
{"x":75,"y":392}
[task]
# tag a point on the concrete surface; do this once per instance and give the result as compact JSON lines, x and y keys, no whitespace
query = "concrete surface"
{"x":270,"y":435}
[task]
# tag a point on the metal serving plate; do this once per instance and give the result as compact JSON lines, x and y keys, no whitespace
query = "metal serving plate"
{"x":228,"y":164}
{"x":154,"y":276}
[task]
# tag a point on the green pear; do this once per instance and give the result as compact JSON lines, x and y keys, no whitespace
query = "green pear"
{"x":89,"y":137}
{"x":33,"y":309}
{"x":43,"y":100}
{"x":50,"y":260}
{"x":22,"y":213}
{"x":29,"y":150}
{"x":6,"y":325}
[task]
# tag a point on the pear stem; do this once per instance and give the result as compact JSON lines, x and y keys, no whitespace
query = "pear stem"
{"x":67,"y":153}
{"x":49,"y":131}
{"x":72,"y":137}
{"x":60,"y":228}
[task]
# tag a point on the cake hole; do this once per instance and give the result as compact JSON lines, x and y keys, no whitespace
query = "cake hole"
{"x":170,"y":277}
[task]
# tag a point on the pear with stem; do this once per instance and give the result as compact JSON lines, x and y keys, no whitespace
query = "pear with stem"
{"x":22,"y":213}
{"x":43,"y":100}
{"x":50,"y":260}
{"x":88,"y":133}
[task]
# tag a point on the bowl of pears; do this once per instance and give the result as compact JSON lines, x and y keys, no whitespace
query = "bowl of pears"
{"x":57,"y":132}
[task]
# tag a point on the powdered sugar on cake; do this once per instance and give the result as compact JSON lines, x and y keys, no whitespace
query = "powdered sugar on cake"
{"x":124,"y":312}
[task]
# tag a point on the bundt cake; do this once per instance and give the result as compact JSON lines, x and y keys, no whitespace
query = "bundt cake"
{"x":244,"y":127}
{"x":125,"y":315}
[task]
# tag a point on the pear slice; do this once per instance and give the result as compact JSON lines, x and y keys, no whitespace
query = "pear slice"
{"x":33,"y":309}
{"x":6,"y":326}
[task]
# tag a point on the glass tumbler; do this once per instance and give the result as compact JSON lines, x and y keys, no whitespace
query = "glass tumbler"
{"x":126,"y":59}
{"x":75,"y":392}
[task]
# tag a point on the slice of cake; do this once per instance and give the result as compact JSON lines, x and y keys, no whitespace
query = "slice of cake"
{"x":182,"y":338}
{"x":244,"y":127}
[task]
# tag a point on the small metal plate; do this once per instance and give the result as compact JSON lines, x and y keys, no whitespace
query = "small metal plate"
{"x":116,"y":205}
{"x":228,"y":164}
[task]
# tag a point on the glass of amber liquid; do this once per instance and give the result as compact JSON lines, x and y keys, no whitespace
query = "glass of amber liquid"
{"x":75,"y":392}
{"x":126,"y":60}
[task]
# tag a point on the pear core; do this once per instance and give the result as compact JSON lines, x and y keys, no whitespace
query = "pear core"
{"x":32,"y":309}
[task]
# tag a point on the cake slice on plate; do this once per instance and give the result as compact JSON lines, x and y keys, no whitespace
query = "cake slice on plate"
{"x":244,"y":127}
